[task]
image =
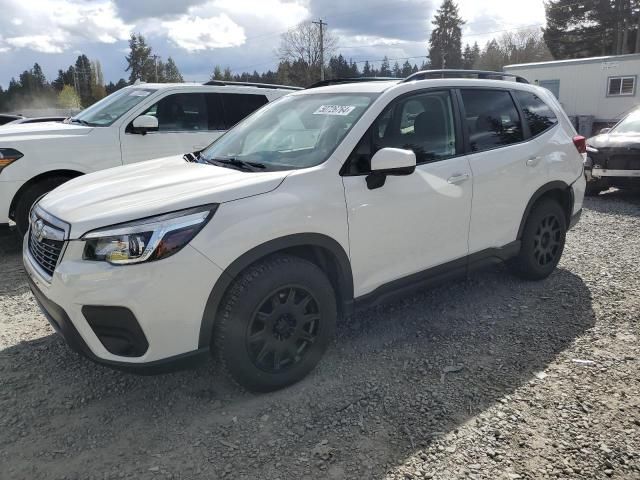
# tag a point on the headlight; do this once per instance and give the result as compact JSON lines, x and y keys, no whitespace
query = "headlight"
{"x":8,"y":156}
{"x":146,"y":240}
{"x":591,"y":149}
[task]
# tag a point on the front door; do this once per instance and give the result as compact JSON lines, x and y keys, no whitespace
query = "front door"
{"x":186,"y":123}
{"x":414,"y":222}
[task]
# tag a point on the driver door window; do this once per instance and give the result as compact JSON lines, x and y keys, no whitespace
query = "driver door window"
{"x":423,"y":123}
{"x":181,"y":112}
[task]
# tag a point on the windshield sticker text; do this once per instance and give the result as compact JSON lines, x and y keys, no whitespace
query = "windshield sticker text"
{"x":341,"y":110}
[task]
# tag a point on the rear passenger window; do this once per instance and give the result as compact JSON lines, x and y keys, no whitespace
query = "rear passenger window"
{"x":240,"y":105}
{"x":492,"y":119}
{"x":538,"y":115}
{"x":216,"y":112}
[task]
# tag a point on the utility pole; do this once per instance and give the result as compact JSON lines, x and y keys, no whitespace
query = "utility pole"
{"x":321,"y":24}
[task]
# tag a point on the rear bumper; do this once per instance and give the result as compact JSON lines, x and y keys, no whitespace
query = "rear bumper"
{"x":63,"y":325}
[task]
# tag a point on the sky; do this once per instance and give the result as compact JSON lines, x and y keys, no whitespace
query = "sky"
{"x":240,"y":34}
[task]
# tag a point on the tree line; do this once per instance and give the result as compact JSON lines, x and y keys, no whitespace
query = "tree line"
{"x":574,"y":29}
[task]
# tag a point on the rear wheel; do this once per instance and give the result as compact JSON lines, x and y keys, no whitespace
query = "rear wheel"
{"x":29,"y":196}
{"x":542,"y":241}
{"x":276,"y":322}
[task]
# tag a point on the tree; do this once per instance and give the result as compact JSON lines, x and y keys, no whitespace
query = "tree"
{"x":385,"y":69}
{"x":301,"y":46}
{"x":68,"y":98}
{"x":111,"y":87}
{"x":139,"y":61}
{"x":445,"y":44}
{"x":592,"y":27}
{"x":217,"y":73}
{"x":470,"y":56}
{"x":171,"y":72}
{"x":366,"y":70}
{"x":83,"y":79}
{"x":522,"y":46}
{"x":97,"y":82}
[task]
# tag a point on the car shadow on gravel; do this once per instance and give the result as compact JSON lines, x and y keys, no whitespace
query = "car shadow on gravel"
{"x":627,"y":202}
{"x":397,"y":377}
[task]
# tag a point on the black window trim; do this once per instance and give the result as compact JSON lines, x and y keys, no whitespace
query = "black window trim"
{"x":526,"y":132}
{"x":457,"y":121}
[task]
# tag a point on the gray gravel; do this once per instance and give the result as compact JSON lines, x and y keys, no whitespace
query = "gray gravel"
{"x":488,"y":378}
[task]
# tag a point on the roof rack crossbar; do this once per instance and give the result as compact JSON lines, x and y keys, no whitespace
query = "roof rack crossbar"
{"x":223,"y":83}
{"x":339,"y":81}
{"x":480,"y":74}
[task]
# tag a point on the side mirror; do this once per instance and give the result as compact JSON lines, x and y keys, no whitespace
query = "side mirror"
{"x":390,"y":161}
{"x":604,"y":131}
{"x":144,"y":124}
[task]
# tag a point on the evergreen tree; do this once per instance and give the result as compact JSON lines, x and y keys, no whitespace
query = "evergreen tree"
{"x":592,"y":27}
{"x":171,"y":72}
{"x":470,"y":56}
{"x":139,"y":61}
{"x":217,"y":73}
{"x":385,"y":70}
{"x":396,"y":70}
{"x":366,"y":70}
{"x":445,"y":45}
{"x":406,"y":69}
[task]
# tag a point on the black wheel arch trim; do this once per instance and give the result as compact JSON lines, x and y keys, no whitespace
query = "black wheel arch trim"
{"x":311,"y":240}
{"x":555,"y":185}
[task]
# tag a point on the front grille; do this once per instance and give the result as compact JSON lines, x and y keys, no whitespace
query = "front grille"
{"x":624,"y":162}
{"x":45,"y":243}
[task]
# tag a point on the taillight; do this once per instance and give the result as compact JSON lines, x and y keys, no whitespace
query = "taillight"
{"x":581,"y":143}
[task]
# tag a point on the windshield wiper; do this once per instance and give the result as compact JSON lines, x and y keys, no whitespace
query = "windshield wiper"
{"x":239,"y":164}
{"x":82,"y":122}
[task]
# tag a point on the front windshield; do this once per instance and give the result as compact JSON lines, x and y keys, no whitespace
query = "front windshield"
{"x":111,"y":108}
{"x":631,"y":124}
{"x":297,"y":131}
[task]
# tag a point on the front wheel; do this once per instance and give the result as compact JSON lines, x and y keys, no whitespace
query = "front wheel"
{"x":276,"y":322}
{"x":542,"y":241}
{"x":28,"y":198}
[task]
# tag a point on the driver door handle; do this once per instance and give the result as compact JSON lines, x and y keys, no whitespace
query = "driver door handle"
{"x":458,"y":178}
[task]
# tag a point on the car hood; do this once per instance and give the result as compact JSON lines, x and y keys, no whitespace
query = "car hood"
{"x":131,"y":192}
{"x":27,"y":131}
{"x":616,"y":141}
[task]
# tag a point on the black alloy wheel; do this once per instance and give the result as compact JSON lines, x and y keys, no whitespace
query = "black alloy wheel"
{"x":283,"y":329}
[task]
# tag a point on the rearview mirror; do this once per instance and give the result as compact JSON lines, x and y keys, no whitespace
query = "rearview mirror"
{"x":144,"y":124}
{"x":604,"y":131}
{"x":390,"y":161}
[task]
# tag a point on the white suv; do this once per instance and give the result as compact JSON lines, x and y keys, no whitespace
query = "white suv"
{"x":136,"y":123}
{"x":329,"y":199}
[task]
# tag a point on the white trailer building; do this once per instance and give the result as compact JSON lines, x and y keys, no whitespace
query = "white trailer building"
{"x":596,"y":92}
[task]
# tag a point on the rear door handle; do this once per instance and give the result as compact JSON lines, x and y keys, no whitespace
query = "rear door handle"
{"x":458,"y":178}
{"x":533,"y":161}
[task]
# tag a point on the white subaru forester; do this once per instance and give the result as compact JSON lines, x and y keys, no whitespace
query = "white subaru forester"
{"x":326,"y":200}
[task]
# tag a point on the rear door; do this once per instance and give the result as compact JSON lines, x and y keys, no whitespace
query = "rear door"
{"x":507,"y":166}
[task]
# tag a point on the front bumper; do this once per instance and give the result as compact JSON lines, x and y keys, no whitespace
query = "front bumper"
{"x":167,"y":298}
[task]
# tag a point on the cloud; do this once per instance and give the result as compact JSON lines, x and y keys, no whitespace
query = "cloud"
{"x":53,"y":26}
{"x":131,"y":10}
{"x":195,"y":33}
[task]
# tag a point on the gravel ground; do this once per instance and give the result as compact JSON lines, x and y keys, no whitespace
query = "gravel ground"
{"x":489,"y":377}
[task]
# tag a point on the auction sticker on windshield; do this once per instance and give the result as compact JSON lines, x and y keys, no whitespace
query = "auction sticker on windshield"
{"x":341,"y":110}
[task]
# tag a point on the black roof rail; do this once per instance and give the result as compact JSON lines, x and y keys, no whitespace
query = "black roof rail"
{"x":481,"y":74}
{"x":339,"y":81}
{"x":222,"y":83}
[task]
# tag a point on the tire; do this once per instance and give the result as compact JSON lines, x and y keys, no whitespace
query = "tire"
{"x":28,"y":198}
{"x":543,"y":241}
{"x":276,"y":321}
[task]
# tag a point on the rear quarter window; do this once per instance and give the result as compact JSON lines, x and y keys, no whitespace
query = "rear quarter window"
{"x":538,"y":115}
